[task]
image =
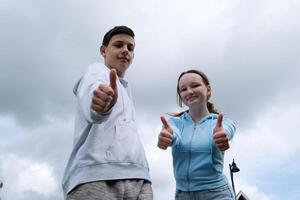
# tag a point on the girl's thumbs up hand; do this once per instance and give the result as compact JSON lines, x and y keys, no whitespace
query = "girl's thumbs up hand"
{"x":220,"y":136}
{"x":165,"y":137}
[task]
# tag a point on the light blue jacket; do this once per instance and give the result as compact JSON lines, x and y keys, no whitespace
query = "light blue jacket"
{"x":197,"y":162}
{"x":106,"y":147}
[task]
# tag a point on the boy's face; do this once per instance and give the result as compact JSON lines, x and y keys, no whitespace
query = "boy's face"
{"x":119,"y":53}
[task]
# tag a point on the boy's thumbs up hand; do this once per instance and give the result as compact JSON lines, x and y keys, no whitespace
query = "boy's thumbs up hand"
{"x":105,"y":96}
{"x":165,"y":137}
{"x":220,"y":137}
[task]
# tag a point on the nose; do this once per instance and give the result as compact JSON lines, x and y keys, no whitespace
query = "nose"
{"x":190,"y":91}
{"x":125,"y":50}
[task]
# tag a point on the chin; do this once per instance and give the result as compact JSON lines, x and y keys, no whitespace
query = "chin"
{"x":122,"y":66}
{"x":193,"y":103}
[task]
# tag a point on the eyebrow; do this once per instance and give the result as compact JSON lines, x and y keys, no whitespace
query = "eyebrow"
{"x":192,"y":83}
{"x":120,"y":41}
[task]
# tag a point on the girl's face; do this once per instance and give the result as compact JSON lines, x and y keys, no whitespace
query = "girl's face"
{"x":192,"y":90}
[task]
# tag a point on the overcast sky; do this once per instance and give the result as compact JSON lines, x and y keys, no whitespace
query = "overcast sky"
{"x":250,"y":51}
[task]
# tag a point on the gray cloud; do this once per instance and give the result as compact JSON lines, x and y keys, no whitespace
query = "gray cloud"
{"x":50,"y":51}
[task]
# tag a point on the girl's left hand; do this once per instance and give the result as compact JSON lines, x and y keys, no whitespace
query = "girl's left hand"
{"x":220,"y":136}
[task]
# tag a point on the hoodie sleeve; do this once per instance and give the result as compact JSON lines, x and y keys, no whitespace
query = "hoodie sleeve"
{"x":229,"y":127}
{"x":176,"y":131}
{"x":84,"y":89}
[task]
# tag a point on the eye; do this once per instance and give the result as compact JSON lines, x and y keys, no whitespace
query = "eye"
{"x":118,"y":45}
{"x":130,"y":47}
{"x":195,"y":85}
{"x":182,"y":89}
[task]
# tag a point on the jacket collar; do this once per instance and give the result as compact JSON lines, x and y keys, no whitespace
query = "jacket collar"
{"x":187,"y":117}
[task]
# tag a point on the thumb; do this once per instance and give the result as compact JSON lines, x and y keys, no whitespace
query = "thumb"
{"x":113,"y":79}
{"x":165,"y":123}
{"x":219,"y":122}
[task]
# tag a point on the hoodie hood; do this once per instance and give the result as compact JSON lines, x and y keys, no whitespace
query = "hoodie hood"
{"x":75,"y":89}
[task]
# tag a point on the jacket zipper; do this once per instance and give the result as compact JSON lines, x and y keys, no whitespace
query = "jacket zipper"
{"x":190,"y":157}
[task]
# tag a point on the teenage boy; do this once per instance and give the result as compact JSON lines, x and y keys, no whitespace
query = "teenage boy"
{"x":108,"y":160}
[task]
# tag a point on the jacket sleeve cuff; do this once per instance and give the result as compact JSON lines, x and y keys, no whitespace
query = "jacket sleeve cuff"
{"x":230,"y":128}
{"x":98,"y":118}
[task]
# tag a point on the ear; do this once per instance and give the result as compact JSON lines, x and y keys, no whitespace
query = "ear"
{"x":102,"y":50}
{"x":208,"y":91}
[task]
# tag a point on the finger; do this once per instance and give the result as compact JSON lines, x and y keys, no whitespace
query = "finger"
{"x":221,"y":139}
{"x":113,"y":79}
{"x":165,"y":123}
{"x":221,"y":143}
{"x":98,"y":101}
{"x":106,"y":90}
{"x":166,"y":133}
{"x":100,"y":94}
{"x":166,"y":141}
{"x":102,"y":100}
{"x":223,"y":147}
{"x":220,"y":135}
{"x":97,"y":108}
{"x":162,"y":147}
{"x":166,"y":137}
{"x":219,"y":122}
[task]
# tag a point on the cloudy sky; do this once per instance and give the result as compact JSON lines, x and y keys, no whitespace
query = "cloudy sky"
{"x":250,"y":50}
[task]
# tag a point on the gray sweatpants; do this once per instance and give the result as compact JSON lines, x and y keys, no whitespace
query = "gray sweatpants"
{"x":113,"y":190}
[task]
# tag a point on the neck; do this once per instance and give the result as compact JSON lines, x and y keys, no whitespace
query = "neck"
{"x":120,"y":74}
{"x":197,"y":113}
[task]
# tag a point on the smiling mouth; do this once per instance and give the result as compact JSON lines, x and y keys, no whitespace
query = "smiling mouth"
{"x":191,"y":98}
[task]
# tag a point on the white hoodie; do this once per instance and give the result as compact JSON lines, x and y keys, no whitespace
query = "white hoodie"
{"x":106,"y":147}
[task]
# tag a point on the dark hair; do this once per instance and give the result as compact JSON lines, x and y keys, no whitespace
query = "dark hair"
{"x":115,"y":31}
{"x":210,"y":106}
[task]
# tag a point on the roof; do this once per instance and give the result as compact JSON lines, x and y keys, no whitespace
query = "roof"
{"x":241,"y":196}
